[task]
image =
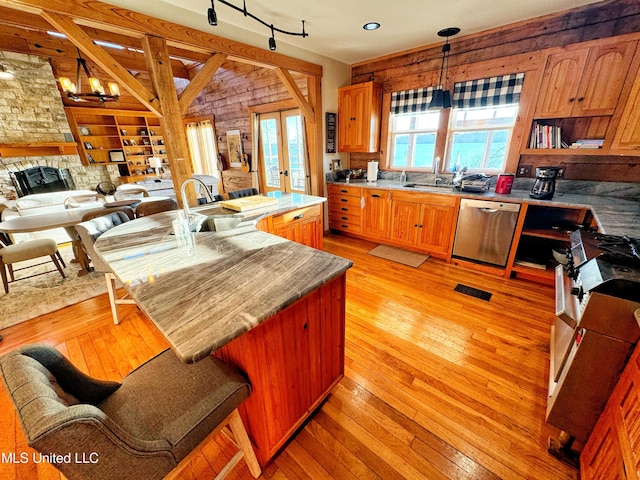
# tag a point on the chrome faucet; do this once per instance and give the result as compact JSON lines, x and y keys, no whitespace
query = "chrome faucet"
{"x":183,"y":194}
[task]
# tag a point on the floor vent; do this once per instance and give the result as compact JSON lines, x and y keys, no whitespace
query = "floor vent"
{"x":473,"y":292}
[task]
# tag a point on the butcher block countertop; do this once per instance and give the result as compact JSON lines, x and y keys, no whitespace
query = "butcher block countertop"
{"x":236,"y":279}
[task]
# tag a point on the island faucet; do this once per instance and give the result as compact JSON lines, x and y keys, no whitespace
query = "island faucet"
{"x":183,"y":194}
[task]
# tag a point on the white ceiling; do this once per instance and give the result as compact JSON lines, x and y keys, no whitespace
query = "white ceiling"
{"x":335,"y":26}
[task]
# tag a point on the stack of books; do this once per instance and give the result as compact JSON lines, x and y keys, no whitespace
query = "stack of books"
{"x":587,"y":143}
{"x":546,"y":136}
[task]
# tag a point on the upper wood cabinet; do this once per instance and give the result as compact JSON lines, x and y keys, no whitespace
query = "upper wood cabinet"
{"x":359,"y":110}
{"x":627,"y":137}
{"x":585,"y":82}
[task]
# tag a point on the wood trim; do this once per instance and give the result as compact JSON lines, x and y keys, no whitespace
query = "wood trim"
{"x":105,"y":61}
{"x":295,"y":92}
{"x":200,"y":80}
{"x":41,"y":149}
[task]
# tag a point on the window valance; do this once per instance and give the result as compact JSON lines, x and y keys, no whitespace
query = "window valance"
{"x":487,"y":92}
{"x":411,"y":101}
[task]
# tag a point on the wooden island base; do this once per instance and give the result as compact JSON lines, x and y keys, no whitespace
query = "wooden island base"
{"x":293,"y":361}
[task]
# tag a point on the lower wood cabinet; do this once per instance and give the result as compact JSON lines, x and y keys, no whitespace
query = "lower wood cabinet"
{"x":303,"y":225}
{"x":375,"y":212}
{"x":613,"y":449}
{"x":303,"y":346}
{"x":345,"y":207}
{"x":423,"y":221}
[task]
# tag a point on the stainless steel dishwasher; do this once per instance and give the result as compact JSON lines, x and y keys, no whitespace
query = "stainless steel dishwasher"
{"x":485,"y":231}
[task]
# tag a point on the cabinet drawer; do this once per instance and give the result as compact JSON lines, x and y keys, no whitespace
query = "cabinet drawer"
{"x":300,"y":215}
{"x":353,"y":218}
{"x":344,"y":190}
{"x":344,"y":226}
{"x":338,"y":202}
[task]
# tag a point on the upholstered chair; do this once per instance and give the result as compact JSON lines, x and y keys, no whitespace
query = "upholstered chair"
{"x":20,"y":252}
{"x":245,"y":192}
{"x":145,"y":427}
{"x":84,"y":201}
{"x":149,"y":208}
{"x":89,"y":231}
{"x":125,"y":192}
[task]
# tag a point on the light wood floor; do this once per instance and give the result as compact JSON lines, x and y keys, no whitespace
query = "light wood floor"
{"x":437,"y":384}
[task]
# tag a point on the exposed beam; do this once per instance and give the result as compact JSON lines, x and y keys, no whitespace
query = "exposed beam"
{"x":297,"y":95}
{"x":112,"y":18}
{"x":157,"y":56}
{"x":200,"y":80}
{"x":105,"y":61}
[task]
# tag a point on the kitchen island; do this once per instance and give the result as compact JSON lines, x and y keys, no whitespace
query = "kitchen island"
{"x":273,"y":307}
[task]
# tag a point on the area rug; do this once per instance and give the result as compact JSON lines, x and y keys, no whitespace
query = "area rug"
{"x":37,"y":295}
{"x":399,"y":255}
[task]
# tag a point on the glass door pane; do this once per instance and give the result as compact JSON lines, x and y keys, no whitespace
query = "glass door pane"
{"x":270,"y":147}
{"x":296,"y":153}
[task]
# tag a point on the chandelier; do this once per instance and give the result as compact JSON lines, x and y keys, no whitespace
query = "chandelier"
{"x":97,"y":93}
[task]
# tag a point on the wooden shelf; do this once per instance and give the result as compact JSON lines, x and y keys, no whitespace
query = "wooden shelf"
{"x":546,"y":233}
{"x":39,"y":149}
{"x":565,"y":151}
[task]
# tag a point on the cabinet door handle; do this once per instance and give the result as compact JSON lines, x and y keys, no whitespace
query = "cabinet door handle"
{"x":298,"y":217}
{"x":344,"y":200}
{"x":344,"y":209}
{"x":571,"y":99}
{"x":345,"y":226}
{"x":580,"y":99}
{"x":344,"y":218}
{"x":375,"y":195}
{"x":344,"y":191}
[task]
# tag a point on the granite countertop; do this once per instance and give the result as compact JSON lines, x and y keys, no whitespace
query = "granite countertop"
{"x":235,"y":280}
{"x":614,"y":215}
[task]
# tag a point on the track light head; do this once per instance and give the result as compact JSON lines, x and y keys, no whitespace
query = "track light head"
{"x":272,"y":43}
{"x":212,"y":17}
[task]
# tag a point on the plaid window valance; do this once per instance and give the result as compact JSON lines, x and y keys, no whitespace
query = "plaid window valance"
{"x":410,"y":101}
{"x":487,"y":92}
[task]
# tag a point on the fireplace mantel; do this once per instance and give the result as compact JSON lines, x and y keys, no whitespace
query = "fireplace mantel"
{"x":37,"y":149}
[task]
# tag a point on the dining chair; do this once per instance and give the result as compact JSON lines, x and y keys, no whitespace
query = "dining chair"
{"x":149,"y":208}
{"x":129,"y":193}
{"x":245,"y":192}
{"x":83,"y":201}
{"x":31,"y":249}
{"x":149,"y":426}
{"x":89,"y":231}
{"x":99,"y":213}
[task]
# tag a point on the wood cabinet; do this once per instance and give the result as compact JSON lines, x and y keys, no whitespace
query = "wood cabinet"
{"x":584,"y":82}
{"x":345,"y":207}
{"x":359,"y":110}
{"x":124,"y":137}
{"x":423,"y":221}
{"x":375,"y":212}
{"x":627,"y":137}
{"x":613,"y":449}
{"x":303,"y":225}
{"x":579,"y":96}
{"x":304,"y":348}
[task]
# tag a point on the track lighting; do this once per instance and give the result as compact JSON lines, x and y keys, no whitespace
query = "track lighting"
{"x":212,"y":17}
{"x":442,"y":97}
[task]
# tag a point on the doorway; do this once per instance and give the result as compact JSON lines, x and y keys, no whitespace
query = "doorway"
{"x":282,"y":151}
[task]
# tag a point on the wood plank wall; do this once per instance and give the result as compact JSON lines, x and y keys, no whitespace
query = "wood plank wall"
{"x":417,"y":67}
{"x":233,"y":89}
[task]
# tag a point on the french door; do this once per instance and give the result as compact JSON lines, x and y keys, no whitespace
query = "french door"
{"x":282,"y":151}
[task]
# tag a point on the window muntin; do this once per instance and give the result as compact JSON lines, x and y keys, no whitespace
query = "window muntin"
{"x":413,"y":139}
{"x":478,"y":138}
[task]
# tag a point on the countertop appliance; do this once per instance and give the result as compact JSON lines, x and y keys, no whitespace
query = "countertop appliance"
{"x":594,"y":330}
{"x":485,"y":229}
{"x":545,"y":185}
{"x":475,"y":183}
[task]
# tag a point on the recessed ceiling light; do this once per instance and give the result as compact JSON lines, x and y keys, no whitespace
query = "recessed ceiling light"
{"x":371,"y":26}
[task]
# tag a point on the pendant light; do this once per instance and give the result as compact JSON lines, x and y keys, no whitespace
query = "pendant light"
{"x":98,"y":93}
{"x":442,"y":96}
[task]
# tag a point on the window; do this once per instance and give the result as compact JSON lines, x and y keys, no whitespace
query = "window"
{"x":478,"y":138}
{"x":413,"y":129}
{"x":413,"y":139}
{"x":203,"y":148}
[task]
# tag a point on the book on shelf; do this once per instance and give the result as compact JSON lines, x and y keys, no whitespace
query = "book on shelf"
{"x":546,"y":136}
{"x":587,"y":143}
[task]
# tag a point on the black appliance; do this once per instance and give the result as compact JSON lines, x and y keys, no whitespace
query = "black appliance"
{"x":545,"y":184}
{"x":41,"y":180}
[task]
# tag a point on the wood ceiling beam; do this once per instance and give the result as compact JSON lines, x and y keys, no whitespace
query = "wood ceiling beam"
{"x":105,"y":61}
{"x":297,"y":95}
{"x":112,"y":18}
{"x":200,"y":80}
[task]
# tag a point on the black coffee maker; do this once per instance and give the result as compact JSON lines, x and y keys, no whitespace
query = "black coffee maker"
{"x":545,"y":184}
